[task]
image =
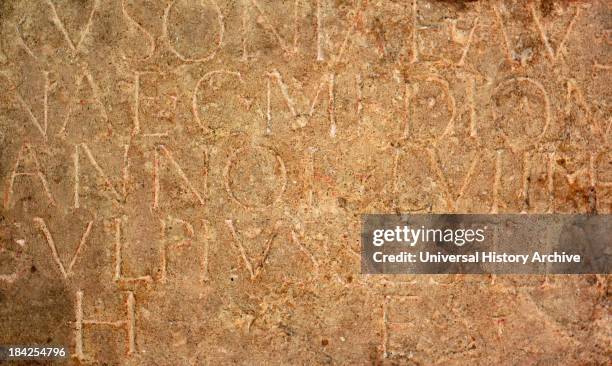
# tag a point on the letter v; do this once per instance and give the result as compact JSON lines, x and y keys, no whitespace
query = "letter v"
{"x":65,"y":271}
{"x":254,"y":270}
{"x":553,"y":54}
{"x":59,"y":24}
{"x":451,"y":198}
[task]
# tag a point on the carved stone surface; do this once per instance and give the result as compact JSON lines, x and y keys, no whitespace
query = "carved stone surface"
{"x":182,"y":181}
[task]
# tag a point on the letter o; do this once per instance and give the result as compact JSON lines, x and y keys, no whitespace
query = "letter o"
{"x":176,"y":52}
{"x":242,"y":201}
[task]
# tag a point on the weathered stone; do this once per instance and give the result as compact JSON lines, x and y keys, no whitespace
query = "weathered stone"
{"x":182,"y":181}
